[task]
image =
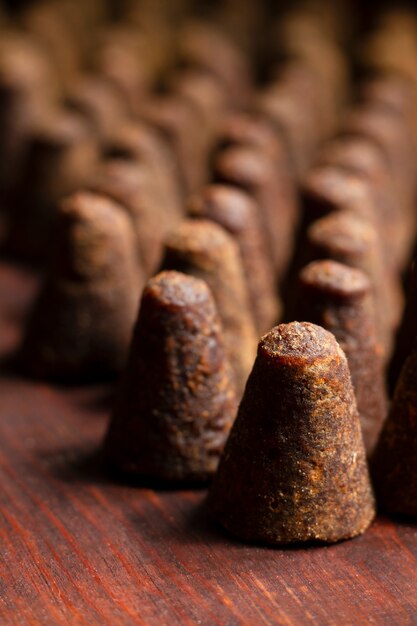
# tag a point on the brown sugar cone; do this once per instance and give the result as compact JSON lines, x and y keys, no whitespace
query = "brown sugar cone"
{"x":60,"y":157}
{"x":206,"y":251}
{"x":327,"y":189}
{"x":388,"y":130}
{"x":236,"y":212}
{"x":132,"y":185}
{"x":366,"y":160}
{"x":394,"y":465}
{"x":350,"y":240}
{"x":82,"y":322}
{"x":340,"y":299}
{"x":294,"y":466}
{"x":177,"y":400}
{"x":254,"y":171}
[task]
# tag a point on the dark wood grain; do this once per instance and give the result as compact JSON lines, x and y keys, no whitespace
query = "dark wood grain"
{"x":76,"y":547}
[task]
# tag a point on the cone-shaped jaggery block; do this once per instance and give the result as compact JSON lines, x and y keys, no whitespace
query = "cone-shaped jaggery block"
{"x":133,"y":186}
{"x":340,"y":299}
{"x":237,"y":213}
{"x":81,"y":325}
{"x":394,"y":466}
{"x":252,"y":169}
{"x":349,"y":239}
{"x":207,"y":251}
{"x":60,"y":157}
{"x":177,"y":400}
{"x":294,"y":467}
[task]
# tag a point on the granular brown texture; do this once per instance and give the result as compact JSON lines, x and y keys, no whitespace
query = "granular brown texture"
{"x":207,"y":251}
{"x":177,"y":400}
{"x":340,"y":299}
{"x":394,"y":466}
{"x":237,"y":213}
{"x":82,"y":322}
{"x":253,"y":170}
{"x":294,"y":467}
{"x":349,"y":239}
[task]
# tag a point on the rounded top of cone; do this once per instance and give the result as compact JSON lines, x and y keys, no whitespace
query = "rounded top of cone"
{"x":298,"y":343}
{"x":199,"y":237}
{"x":230,"y":206}
{"x":335,"y":278}
{"x":342,"y":232}
{"x":176,"y":290}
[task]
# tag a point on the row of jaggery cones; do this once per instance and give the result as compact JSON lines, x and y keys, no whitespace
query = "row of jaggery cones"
{"x":294,"y":467}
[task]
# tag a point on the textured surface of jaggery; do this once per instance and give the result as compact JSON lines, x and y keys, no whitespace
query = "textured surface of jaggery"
{"x":207,"y":251}
{"x":237,"y":213}
{"x":81,"y":324}
{"x":339,"y":299}
{"x":394,"y":466}
{"x":177,"y":400}
{"x":294,"y":467}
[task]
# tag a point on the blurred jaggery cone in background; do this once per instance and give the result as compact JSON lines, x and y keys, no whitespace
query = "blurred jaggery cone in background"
{"x":27,"y":89}
{"x":237,"y":213}
{"x":61,"y":156}
{"x":353,"y":241}
{"x":132,"y":185}
{"x":81,"y":324}
{"x":205,"y":250}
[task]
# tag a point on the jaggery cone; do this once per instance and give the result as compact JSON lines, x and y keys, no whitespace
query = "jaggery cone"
{"x":82,"y":323}
{"x":351,"y":240}
{"x":252,"y":169}
{"x":340,"y":299}
{"x":294,"y":467}
{"x":133,"y":186}
{"x":394,"y":465}
{"x":177,"y":399}
{"x":237,"y":213}
{"x":207,"y":251}
{"x":60,"y":157}
{"x":360,"y":156}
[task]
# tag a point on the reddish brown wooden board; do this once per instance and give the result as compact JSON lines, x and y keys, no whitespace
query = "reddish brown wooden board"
{"x":78,"y":548}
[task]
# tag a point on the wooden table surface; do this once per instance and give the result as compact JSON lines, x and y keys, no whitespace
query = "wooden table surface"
{"x":76,"y":547}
